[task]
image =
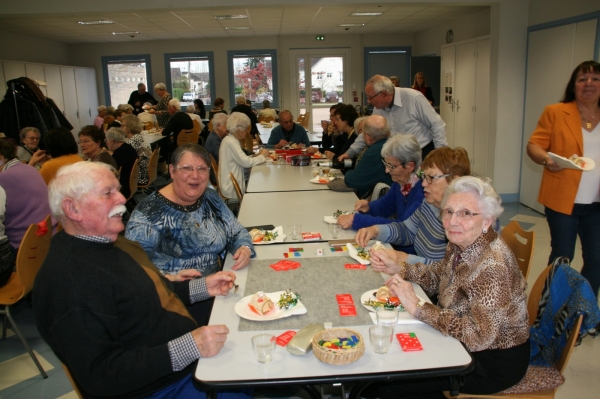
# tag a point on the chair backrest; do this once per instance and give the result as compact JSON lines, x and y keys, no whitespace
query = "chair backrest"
{"x":238,"y":190}
{"x":214,"y":165}
{"x":153,"y":166}
{"x":536,"y":294}
{"x":72,"y":381}
{"x":196,"y":126}
{"x":561,"y":364}
{"x":133,"y":178}
{"x":186,"y":136}
{"x":379,"y":191}
{"x":104,"y":127}
{"x":210,"y":126}
{"x":512,"y":234}
{"x":148,"y":125}
{"x":303,"y":119}
{"x":32,"y":252}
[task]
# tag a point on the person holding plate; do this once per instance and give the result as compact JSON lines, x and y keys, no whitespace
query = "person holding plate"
{"x":571,"y":197}
{"x":481,"y":294}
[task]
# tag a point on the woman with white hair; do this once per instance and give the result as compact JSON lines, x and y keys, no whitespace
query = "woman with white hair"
{"x":481,"y":294}
{"x":99,"y":120}
{"x":245,"y":109}
{"x":213,"y":142}
{"x":232,"y":158}
{"x":29,"y":152}
{"x":191,"y":111}
{"x":132,"y":127}
{"x":161,"y":110}
{"x":124,"y":155}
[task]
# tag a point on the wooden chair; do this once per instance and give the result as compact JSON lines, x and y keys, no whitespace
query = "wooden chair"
{"x":247,"y":142}
{"x":72,"y":381}
{"x":148,"y":125}
{"x":303,"y":119}
{"x":152,"y":169}
{"x":379,"y":191}
{"x":196,"y":127}
{"x":210,"y":126}
{"x":513,"y":235}
{"x":133,"y":178}
{"x":187,"y":136}
{"x":238,"y":190}
{"x":31,"y":255}
{"x":532,"y":308}
{"x":214,"y":169}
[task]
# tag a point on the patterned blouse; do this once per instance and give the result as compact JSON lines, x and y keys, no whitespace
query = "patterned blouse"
{"x":162,"y":111}
{"x":177,"y":237}
{"x":481,"y":294}
{"x":144,"y":153}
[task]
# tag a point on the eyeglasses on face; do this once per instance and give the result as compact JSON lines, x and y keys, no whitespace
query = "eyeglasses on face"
{"x":392,"y":167}
{"x":374,"y":95}
{"x":85,"y":141}
{"x":462,"y":214}
{"x":34,"y":138}
{"x":429,"y":179}
{"x":187,"y":169}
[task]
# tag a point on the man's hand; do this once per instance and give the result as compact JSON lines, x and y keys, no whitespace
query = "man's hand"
{"x":220,"y":283}
{"x":311,"y":150}
{"x":343,"y":156}
{"x":210,"y":339}
{"x":242,"y":258}
{"x":387,"y":260}
{"x":186,"y":274}
{"x":346,"y":221}
{"x":364,"y":235}
{"x":361,"y":206}
{"x":329,"y":155}
{"x":405,"y":292}
{"x":281,"y":143}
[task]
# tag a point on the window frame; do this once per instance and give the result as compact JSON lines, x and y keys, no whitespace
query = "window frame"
{"x":125,"y":59}
{"x":196,"y":54}
{"x":231,"y":54}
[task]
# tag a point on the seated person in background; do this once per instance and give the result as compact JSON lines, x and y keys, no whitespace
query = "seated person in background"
{"x":118,"y":114}
{"x":423,"y":229}
{"x":232,"y":159}
{"x":245,"y":109}
{"x":213,"y":143}
{"x":7,"y":256}
{"x":191,"y":112}
{"x":369,"y":169}
{"x":146,"y":116}
{"x":29,"y":152}
{"x":481,"y":289}
{"x":330,"y":130}
{"x":110,"y":116}
{"x":178,"y":121}
{"x":289,"y":132}
{"x":25,"y":196}
{"x":249,"y":103}
{"x":99,"y":120}
{"x":345,"y":115}
{"x":401,"y":155}
{"x":267,"y":111}
{"x":62,"y":149}
{"x":127,"y":109}
{"x":199,"y":108}
{"x":118,"y":325}
{"x":93,"y":145}
{"x":139,"y":97}
{"x":132,"y":127}
{"x":124,"y":156}
{"x":218,"y":108}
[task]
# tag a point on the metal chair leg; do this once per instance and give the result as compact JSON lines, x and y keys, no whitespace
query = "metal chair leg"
{"x":4,"y":324}
{"x":22,"y":338}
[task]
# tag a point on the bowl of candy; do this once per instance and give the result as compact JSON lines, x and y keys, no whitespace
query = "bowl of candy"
{"x":338,"y":346}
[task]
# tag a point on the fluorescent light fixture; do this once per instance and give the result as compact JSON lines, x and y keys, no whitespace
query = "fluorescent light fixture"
{"x":133,"y":32}
{"x":366,"y":14}
{"x":350,"y":25}
{"x":231,"y":16}
{"x":99,"y":22}
{"x":238,"y":28}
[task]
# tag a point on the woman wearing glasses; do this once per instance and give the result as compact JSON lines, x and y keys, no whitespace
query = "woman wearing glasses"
{"x":423,"y":229}
{"x":28,"y":152}
{"x":481,"y":294}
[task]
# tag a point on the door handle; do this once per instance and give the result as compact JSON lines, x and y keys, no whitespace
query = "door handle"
{"x":457,"y":106}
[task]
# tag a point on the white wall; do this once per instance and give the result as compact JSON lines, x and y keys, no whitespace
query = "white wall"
{"x":542,"y":11}
{"x":17,"y":47}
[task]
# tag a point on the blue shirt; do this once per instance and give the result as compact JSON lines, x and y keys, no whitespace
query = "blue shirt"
{"x":299,"y":136}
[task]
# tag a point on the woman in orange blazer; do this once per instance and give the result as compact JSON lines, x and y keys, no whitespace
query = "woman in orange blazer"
{"x":571,"y":197}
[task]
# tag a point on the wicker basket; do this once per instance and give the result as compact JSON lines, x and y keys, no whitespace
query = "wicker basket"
{"x":337,"y":356}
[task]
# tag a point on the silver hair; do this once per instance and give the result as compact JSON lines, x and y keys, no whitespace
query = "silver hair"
{"x":101,"y":108}
{"x":240,"y":99}
{"x":134,"y":125}
{"x":26,"y":130}
{"x":490,"y":203}
{"x":110,"y":110}
{"x":404,"y":147}
{"x":73,"y":181}
{"x":116,"y":134}
{"x":160,"y":86}
{"x":236,"y":122}
{"x":175,"y":103}
{"x":190,"y":109}
{"x":357,"y":122}
{"x":376,"y":132}
{"x":381,"y":83}
{"x":219,"y":119}
{"x":125,"y":107}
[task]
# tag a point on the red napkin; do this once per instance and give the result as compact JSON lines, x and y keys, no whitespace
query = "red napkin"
{"x":42,"y":228}
{"x":283,"y":265}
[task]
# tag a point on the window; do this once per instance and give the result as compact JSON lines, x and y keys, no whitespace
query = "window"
{"x":122,"y":74}
{"x":191,"y":76}
{"x":253,"y":74}
{"x":329,"y":74}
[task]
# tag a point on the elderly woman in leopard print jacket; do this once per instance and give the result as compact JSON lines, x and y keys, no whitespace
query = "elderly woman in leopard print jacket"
{"x":481,"y":294}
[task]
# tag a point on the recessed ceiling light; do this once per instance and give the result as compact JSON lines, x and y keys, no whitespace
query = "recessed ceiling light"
{"x":366,"y":14}
{"x":238,"y":28}
{"x":133,"y":32}
{"x":231,"y":16}
{"x":99,"y":22}
{"x":346,"y":25}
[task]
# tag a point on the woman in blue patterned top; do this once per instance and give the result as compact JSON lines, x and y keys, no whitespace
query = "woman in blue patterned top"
{"x":186,"y":225}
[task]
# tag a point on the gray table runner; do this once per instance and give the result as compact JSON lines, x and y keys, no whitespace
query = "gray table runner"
{"x":317,"y":281}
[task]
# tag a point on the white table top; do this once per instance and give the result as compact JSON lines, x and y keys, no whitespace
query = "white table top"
{"x":305,"y":207}
{"x":269,"y":177}
{"x":150,"y":138}
{"x":235,"y":364}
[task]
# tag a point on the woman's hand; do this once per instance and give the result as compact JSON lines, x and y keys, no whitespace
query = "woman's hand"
{"x":405,"y":292}
{"x":220,"y":283}
{"x":38,"y":157}
{"x":386,"y":260}
{"x":264,"y":152}
{"x":364,"y":235}
{"x":553,"y":166}
{"x":346,"y":221}
{"x":242,"y":258}
{"x":185,"y":274}
{"x":362,"y":206}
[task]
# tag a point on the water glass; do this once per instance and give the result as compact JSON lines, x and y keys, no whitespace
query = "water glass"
{"x":295,"y":231}
{"x":263,"y":346}
{"x":334,"y":230}
{"x":381,"y":338}
{"x":387,"y":317}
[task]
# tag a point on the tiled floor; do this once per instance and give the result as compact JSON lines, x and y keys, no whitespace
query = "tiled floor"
{"x":19,"y":379}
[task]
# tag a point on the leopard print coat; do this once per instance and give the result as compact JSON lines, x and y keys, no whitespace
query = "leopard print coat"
{"x":482,"y":302}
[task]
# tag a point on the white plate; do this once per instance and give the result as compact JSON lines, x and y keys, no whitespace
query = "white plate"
{"x":316,"y":180}
{"x":568,"y":164}
{"x":280,"y":237}
{"x":330,"y":219}
{"x":353,"y":252}
{"x":368,"y":296}
{"x":243,"y":310}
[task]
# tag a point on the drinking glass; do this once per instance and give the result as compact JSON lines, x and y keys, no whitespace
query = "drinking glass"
{"x":334,"y":230}
{"x":381,"y":338}
{"x":263,"y":346}
{"x":387,"y":317}
{"x":295,"y":230}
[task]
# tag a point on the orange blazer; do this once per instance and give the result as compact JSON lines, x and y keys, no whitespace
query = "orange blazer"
{"x":559,"y":131}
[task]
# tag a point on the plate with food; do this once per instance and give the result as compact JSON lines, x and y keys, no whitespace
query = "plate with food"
{"x":262,"y":237}
{"x":333,"y":219}
{"x":264,"y":306}
{"x":321,"y":179}
{"x":362,"y":255}
{"x":573,"y":162}
{"x":381,"y":297}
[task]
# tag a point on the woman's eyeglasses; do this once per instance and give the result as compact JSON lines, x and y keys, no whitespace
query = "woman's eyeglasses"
{"x":202,"y":170}
{"x":84,"y":141}
{"x":391,"y":167}
{"x":463,"y":214}
{"x":429,"y":179}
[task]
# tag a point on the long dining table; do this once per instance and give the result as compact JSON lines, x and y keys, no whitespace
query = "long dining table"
{"x":272,"y":177}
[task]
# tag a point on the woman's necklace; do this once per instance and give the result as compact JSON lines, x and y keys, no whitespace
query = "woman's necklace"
{"x":588,"y":123}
